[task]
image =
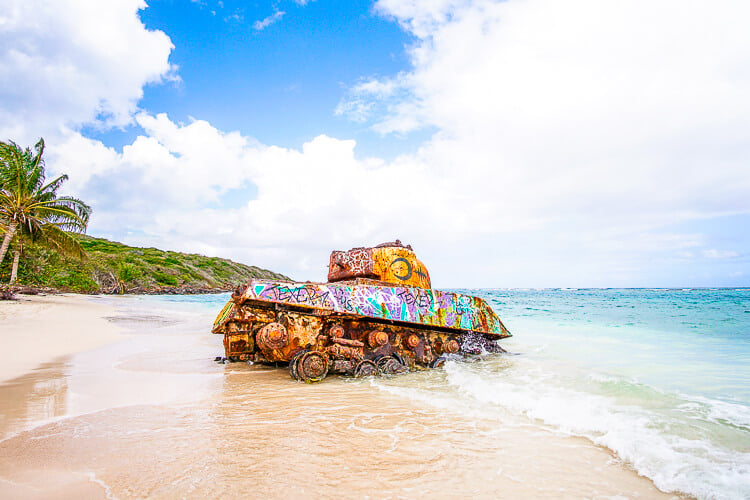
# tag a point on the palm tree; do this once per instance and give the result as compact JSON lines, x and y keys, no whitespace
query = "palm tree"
{"x":33,"y":207}
{"x":47,"y":235}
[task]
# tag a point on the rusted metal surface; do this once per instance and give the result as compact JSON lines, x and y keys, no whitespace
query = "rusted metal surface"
{"x":359,"y":327}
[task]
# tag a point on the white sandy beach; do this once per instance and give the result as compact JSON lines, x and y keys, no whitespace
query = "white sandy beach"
{"x":36,"y":329}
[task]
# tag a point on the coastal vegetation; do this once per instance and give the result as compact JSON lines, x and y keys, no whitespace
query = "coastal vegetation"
{"x":31,"y":212}
{"x":112,"y":267}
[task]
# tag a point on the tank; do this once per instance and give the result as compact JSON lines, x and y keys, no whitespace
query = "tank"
{"x":377,"y":315}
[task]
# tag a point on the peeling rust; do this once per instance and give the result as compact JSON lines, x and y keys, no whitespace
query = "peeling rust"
{"x":377,"y":338}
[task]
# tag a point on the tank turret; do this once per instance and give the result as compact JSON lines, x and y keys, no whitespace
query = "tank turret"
{"x":388,"y":262}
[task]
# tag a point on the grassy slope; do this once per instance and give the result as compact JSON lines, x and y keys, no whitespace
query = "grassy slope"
{"x":116,"y":268}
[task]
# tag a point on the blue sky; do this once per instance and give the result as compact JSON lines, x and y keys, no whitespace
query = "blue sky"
{"x":522,"y":143}
{"x":282,"y":82}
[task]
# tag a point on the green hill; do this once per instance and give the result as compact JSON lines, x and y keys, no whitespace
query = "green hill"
{"x":112,"y":267}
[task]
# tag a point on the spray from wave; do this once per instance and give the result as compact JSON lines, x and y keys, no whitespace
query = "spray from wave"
{"x":690,"y":445}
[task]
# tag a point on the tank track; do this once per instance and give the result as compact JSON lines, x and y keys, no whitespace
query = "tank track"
{"x":317,"y":343}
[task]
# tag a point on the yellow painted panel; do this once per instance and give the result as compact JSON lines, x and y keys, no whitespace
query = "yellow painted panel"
{"x":400,"y":265}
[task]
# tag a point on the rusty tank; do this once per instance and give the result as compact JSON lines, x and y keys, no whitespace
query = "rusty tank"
{"x":376,"y":315}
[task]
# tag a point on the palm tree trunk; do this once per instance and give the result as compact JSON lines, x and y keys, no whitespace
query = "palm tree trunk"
{"x":14,"y":269}
{"x":6,"y":241}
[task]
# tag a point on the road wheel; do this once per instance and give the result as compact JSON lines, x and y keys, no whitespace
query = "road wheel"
{"x":366,"y":368}
{"x":312,"y":366}
{"x":293,"y":364}
{"x":390,"y":365}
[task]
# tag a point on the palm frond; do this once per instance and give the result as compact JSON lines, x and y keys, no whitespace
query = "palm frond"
{"x":52,"y":186}
{"x":63,"y":242}
{"x":68,"y":214}
{"x":39,"y":148}
{"x":11,"y":159}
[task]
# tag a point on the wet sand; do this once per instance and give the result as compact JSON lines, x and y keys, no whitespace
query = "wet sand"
{"x":153,"y":416}
{"x":35,"y":329}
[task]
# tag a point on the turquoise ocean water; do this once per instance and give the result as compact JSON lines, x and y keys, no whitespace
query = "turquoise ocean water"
{"x":659,"y":376}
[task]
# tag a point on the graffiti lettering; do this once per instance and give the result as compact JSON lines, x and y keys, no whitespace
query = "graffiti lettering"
{"x":463,"y":305}
{"x":311,"y":296}
{"x":413,"y":297}
{"x":343,"y":298}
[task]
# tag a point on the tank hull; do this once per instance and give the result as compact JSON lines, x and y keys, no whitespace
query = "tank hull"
{"x":358,"y":327}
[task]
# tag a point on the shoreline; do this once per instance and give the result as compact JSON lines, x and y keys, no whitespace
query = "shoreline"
{"x":38,"y":329}
{"x":30,"y":291}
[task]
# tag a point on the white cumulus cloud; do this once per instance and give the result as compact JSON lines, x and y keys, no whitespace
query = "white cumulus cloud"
{"x":64,"y":64}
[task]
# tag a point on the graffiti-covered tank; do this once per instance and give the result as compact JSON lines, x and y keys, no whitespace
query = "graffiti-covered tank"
{"x":377,"y":314}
